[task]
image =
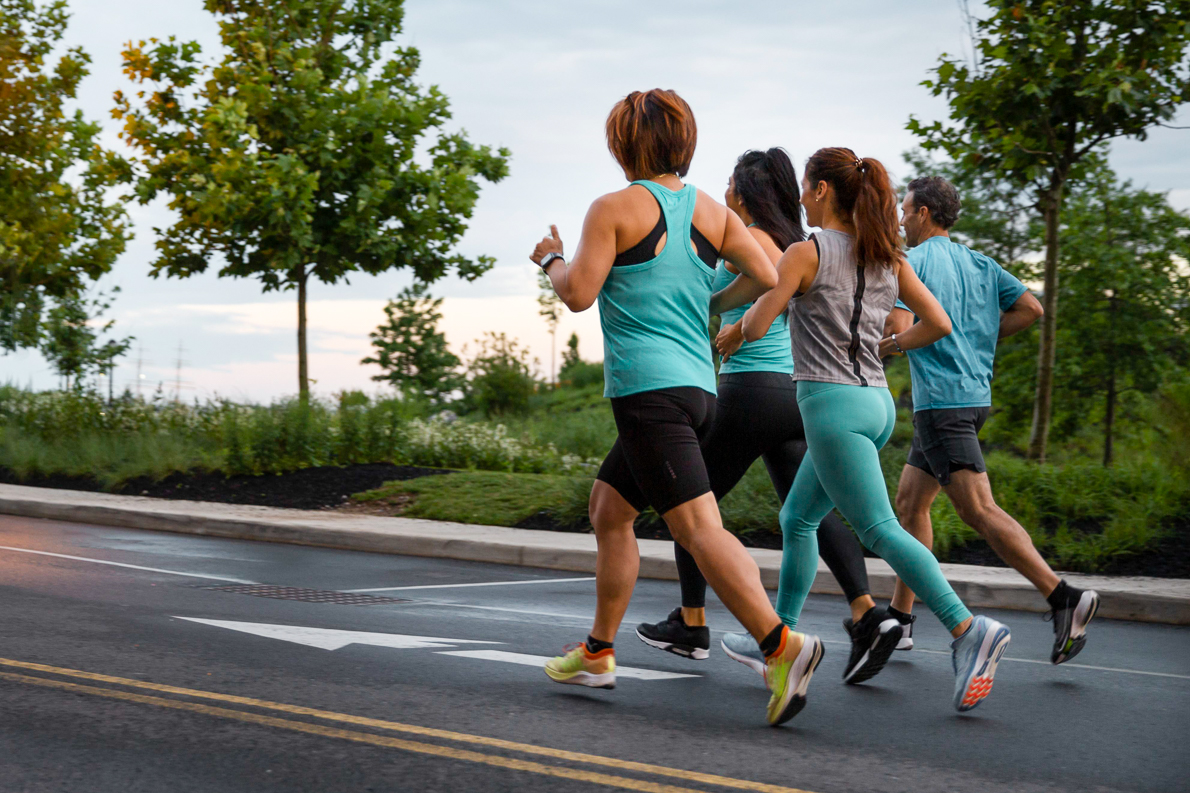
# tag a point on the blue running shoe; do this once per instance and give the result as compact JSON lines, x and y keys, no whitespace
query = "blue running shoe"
{"x":975,"y":656}
{"x":744,"y":649}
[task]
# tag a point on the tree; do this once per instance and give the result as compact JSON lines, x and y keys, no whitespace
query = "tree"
{"x":70,"y":336}
{"x":500,"y":378}
{"x":294,"y":157}
{"x":412,"y":351}
{"x":575,"y":371}
{"x":1123,"y":270}
{"x":550,"y":309}
{"x":1050,"y":81}
{"x":58,"y":230}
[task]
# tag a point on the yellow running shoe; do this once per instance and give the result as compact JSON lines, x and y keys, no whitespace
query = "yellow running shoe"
{"x":788,"y":675}
{"x":581,"y":667}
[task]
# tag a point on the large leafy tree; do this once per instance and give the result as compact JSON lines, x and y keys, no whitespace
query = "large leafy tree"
{"x":1123,"y":275}
{"x":1050,"y":81}
{"x":411,"y":351}
{"x":307,"y":151}
{"x":58,"y":228}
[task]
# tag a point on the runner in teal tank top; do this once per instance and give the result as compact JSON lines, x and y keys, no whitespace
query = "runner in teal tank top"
{"x":647,"y":254}
{"x":655,"y":314}
{"x":770,"y":353}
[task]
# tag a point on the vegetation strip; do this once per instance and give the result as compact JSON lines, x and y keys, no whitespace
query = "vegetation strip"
{"x":559,"y":754}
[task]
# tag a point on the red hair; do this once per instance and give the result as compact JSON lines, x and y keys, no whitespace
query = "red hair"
{"x":863,"y":193}
{"x":652,"y":133}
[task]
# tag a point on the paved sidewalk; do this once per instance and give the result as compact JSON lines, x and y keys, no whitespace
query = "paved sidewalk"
{"x":1123,"y":597}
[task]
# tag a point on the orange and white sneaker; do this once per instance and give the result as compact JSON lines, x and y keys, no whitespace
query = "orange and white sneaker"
{"x":975,"y":655}
{"x":581,"y":667}
{"x":788,"y":675}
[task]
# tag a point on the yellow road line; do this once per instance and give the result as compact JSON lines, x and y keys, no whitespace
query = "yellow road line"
{"x":430,"y":732}
{"x":358,"y":737}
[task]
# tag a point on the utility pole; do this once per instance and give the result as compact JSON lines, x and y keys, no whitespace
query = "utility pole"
{"x":178,"y":375}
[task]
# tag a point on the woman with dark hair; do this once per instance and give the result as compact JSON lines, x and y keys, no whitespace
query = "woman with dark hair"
{"x":843,"y":283}
{"x":756,"y":416}
{"x":647,"y":254}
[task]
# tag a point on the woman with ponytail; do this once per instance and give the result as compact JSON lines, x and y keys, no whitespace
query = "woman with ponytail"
{"x":843,"y":283}
{"x":756,"y":416}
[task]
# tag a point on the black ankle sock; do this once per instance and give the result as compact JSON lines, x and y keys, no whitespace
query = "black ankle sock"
{"x":901,"y":616}
{"x":771,"y":643}
{"x":1060,"y":596}
{"x":595,"y":646}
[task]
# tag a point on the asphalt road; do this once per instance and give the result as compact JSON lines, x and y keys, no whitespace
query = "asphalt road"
{"x":124,"y":670}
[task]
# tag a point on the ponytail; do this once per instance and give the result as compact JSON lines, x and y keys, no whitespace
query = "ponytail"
{"x":766,"y":184}
{"x":863,"y":193}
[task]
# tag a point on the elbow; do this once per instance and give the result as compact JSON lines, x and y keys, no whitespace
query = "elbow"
{"x":577,"y":304}
{"x":767,"y":279}
{"x":751,"y":330}
{"x":1037,"y":313}
{"x":944,"y":328}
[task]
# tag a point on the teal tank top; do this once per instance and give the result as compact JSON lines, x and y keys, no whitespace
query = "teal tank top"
{"x":654,"y":315}
{"x":770,"y":353}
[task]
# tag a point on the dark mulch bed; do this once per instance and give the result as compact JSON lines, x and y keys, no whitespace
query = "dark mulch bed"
{"x":310,"y":488}
{"x":329,"y":487}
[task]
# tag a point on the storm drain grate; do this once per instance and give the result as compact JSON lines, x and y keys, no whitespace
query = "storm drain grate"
{"x":304,"y":595}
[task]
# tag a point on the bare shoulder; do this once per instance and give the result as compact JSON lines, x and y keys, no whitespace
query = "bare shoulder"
{"x":805,"y":250}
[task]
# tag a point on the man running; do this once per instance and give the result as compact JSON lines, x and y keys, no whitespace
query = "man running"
{"x":952,"y":395}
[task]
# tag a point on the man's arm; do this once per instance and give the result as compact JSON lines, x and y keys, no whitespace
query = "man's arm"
{"x":1020,"y":315}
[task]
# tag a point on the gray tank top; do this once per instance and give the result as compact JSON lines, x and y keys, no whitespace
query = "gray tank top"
{"x":837,"y":324}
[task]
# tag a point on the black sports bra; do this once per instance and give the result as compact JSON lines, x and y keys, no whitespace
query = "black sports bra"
{"x":645,"y":250}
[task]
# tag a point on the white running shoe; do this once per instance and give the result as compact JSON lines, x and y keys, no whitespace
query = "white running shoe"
{"x":743,"y":648}
{"x":975,"y":656}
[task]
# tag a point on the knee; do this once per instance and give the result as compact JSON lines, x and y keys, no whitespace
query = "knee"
{"x":793,"y":522}
{"x":609,"y":511}
{"x":976,"y":513}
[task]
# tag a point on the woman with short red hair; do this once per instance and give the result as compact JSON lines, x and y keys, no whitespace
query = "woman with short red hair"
{"x":648,"y":255}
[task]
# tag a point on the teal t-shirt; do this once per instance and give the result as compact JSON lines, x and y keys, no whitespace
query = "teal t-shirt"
{"x":956,"y":371}
{"x":772,"y":352}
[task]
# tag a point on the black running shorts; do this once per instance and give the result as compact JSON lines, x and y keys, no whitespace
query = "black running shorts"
{"x":947,"y":440}
{"x":657,"y":460}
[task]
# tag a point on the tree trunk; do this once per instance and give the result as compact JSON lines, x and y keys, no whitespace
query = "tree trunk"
{"x":1043,"y":401}
{"x":303,"y":371}
{"x":1109,"y":416}
{"x":554,"y":356}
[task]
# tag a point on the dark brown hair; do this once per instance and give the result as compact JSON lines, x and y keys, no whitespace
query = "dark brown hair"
{"x":939,"y":196}
{"x":864,"y":193}
{"x":652,"y":133}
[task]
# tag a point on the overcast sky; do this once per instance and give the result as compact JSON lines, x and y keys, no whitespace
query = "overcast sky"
{"x":539,"y":77}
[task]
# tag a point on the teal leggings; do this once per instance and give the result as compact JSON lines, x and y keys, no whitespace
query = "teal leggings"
{"x":846,"y":425}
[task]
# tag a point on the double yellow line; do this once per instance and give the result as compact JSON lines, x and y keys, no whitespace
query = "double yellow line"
{"x":419,"y":747}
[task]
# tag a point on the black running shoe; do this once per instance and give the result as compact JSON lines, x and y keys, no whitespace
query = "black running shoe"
{"x":675,"y":636}
{"x":1070,"y":623}
{"x":906,"y":642}
{"x":873,"y":640}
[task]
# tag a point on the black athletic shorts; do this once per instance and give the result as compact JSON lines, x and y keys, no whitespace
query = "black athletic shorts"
{"x":657,"y":458}
{"x":947,"y":440}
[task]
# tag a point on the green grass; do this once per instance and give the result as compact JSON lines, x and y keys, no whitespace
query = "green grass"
{"x":488,"y":498}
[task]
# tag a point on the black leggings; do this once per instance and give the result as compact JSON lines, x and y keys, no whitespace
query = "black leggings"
{"x":757,"y":416}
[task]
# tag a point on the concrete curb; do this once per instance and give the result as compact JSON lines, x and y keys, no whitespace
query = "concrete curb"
{"x":1130,"y":598}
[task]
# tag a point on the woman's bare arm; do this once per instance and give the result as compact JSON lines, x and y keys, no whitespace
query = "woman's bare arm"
{"x":933,"y":323}
{"x":578,"y":281}
{"x":795,"y":272}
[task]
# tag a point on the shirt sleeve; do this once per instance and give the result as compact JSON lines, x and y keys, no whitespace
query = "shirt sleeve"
{"x":1009,"y":287}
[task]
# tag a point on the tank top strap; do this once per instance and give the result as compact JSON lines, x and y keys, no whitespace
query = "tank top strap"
{"x":678,"y":208}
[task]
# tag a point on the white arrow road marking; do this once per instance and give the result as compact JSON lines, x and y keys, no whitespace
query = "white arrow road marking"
{"x":539,"y":660}
{"x":330,"y":639}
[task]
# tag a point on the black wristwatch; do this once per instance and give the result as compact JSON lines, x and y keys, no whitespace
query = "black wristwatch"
{"x":548,"y":259}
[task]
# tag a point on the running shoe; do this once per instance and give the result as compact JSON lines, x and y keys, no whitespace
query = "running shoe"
{"x":674,"y":636}
{"x":906,"y":642}
{"x":873,"y":640}
{"x":1070,"y":623}
{"x":788,"y":676}
{"x":975,"y":656}
{"x":581,"y":667}
{"x":743,"y":648}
